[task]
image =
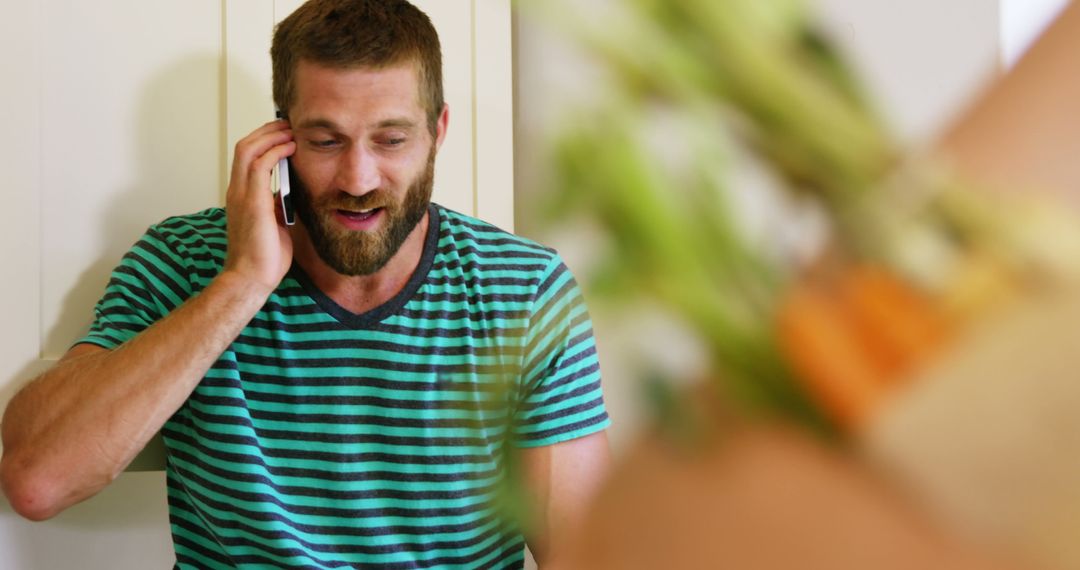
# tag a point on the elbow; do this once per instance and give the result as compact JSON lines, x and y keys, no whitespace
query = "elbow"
{"x":32,"y":497}
{"x":30,"y":508}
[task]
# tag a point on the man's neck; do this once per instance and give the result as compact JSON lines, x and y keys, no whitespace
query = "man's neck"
{"x":359,"y":294}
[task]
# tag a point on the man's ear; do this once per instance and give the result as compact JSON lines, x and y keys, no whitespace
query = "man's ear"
{"x":440,"y":126}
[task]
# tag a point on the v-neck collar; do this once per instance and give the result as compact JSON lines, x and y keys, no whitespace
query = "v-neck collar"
{"x":395,"y":303}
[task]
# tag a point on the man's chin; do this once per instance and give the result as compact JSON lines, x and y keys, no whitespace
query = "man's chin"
{"x":354,"y":263}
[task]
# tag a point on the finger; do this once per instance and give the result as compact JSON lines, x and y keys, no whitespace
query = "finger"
{"x":258,"y":142}
{"x":271,"y":126}
{"x":250,"y":150}
{"x":262,"y":165}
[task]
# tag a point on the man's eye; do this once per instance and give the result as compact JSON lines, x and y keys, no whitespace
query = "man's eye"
{"x":323,"y":143}
{"x":393,"y":141}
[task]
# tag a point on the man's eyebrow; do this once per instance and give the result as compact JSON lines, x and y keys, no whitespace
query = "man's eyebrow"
{"x":395,"y":123}
{"x":318,"y":124}
{"x":401,"y":123}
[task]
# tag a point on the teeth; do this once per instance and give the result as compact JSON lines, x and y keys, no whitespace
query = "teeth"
{"x":368,"y":211}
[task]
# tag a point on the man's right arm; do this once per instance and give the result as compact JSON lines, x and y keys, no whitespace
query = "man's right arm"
{"x":75,"y":428}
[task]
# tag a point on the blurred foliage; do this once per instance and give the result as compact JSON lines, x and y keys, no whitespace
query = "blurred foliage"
{"x":691,"y":84}
{"x":716,"y":73}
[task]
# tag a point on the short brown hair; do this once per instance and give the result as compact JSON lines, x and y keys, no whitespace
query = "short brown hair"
{"x":358,"y":33}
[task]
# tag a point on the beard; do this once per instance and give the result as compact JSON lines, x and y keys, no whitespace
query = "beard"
{"x":356,"y":252}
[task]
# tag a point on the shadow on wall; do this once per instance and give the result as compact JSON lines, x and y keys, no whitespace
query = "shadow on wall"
{"x":180,"y":163}
{"x":181,"y":169}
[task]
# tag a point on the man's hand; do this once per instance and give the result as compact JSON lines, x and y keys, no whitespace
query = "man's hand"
{"x":260,"y":248}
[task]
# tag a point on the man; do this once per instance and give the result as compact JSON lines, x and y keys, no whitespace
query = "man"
{"x":348,"y":391}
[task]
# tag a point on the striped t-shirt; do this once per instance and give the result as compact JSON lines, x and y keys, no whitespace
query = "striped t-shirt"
{"x":327,"y":439}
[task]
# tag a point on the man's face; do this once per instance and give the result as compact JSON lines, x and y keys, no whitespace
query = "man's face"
{"x":365,"y":160}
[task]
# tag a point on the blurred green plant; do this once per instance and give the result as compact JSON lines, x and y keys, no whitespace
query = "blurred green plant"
{"x":688,"y":81}
{"x":752,"y":73}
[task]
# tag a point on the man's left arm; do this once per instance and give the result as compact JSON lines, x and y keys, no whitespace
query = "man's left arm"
{"x":560,"y":480}
{"x":560,"y":446}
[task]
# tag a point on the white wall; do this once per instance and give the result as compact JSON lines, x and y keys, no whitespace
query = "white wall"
{"x":110,"y":121}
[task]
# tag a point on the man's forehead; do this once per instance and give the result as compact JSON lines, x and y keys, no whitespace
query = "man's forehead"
{"x":405,"y":72}
{"x":385,"y":94}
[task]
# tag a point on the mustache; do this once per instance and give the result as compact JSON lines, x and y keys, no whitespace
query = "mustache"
{"x":344,"y":201}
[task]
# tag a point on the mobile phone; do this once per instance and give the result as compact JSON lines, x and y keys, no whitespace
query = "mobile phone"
{"x":285,"y":177}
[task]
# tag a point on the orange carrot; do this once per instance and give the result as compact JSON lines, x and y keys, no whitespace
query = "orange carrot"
{"x":819,"y":342}
{"x":851,"y":340}
{"x":900,"y":326}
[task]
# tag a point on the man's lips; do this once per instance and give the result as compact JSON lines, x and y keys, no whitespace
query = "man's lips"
{"x":358,"y":219}
{"x":359,"y":214}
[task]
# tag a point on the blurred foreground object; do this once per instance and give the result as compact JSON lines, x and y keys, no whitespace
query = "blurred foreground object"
{"x":988,"y":435}
{"x":766,"y":499}
{"x":929,"y":329}
{"x":1021,"y":135}
{"x":707,"y":83}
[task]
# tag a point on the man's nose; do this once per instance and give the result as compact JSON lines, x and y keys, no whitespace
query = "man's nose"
{"x":358,"y":173}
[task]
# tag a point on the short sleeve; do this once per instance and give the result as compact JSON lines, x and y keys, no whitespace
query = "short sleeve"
{"x":150,"y":282}
{"x":560,"y":397}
